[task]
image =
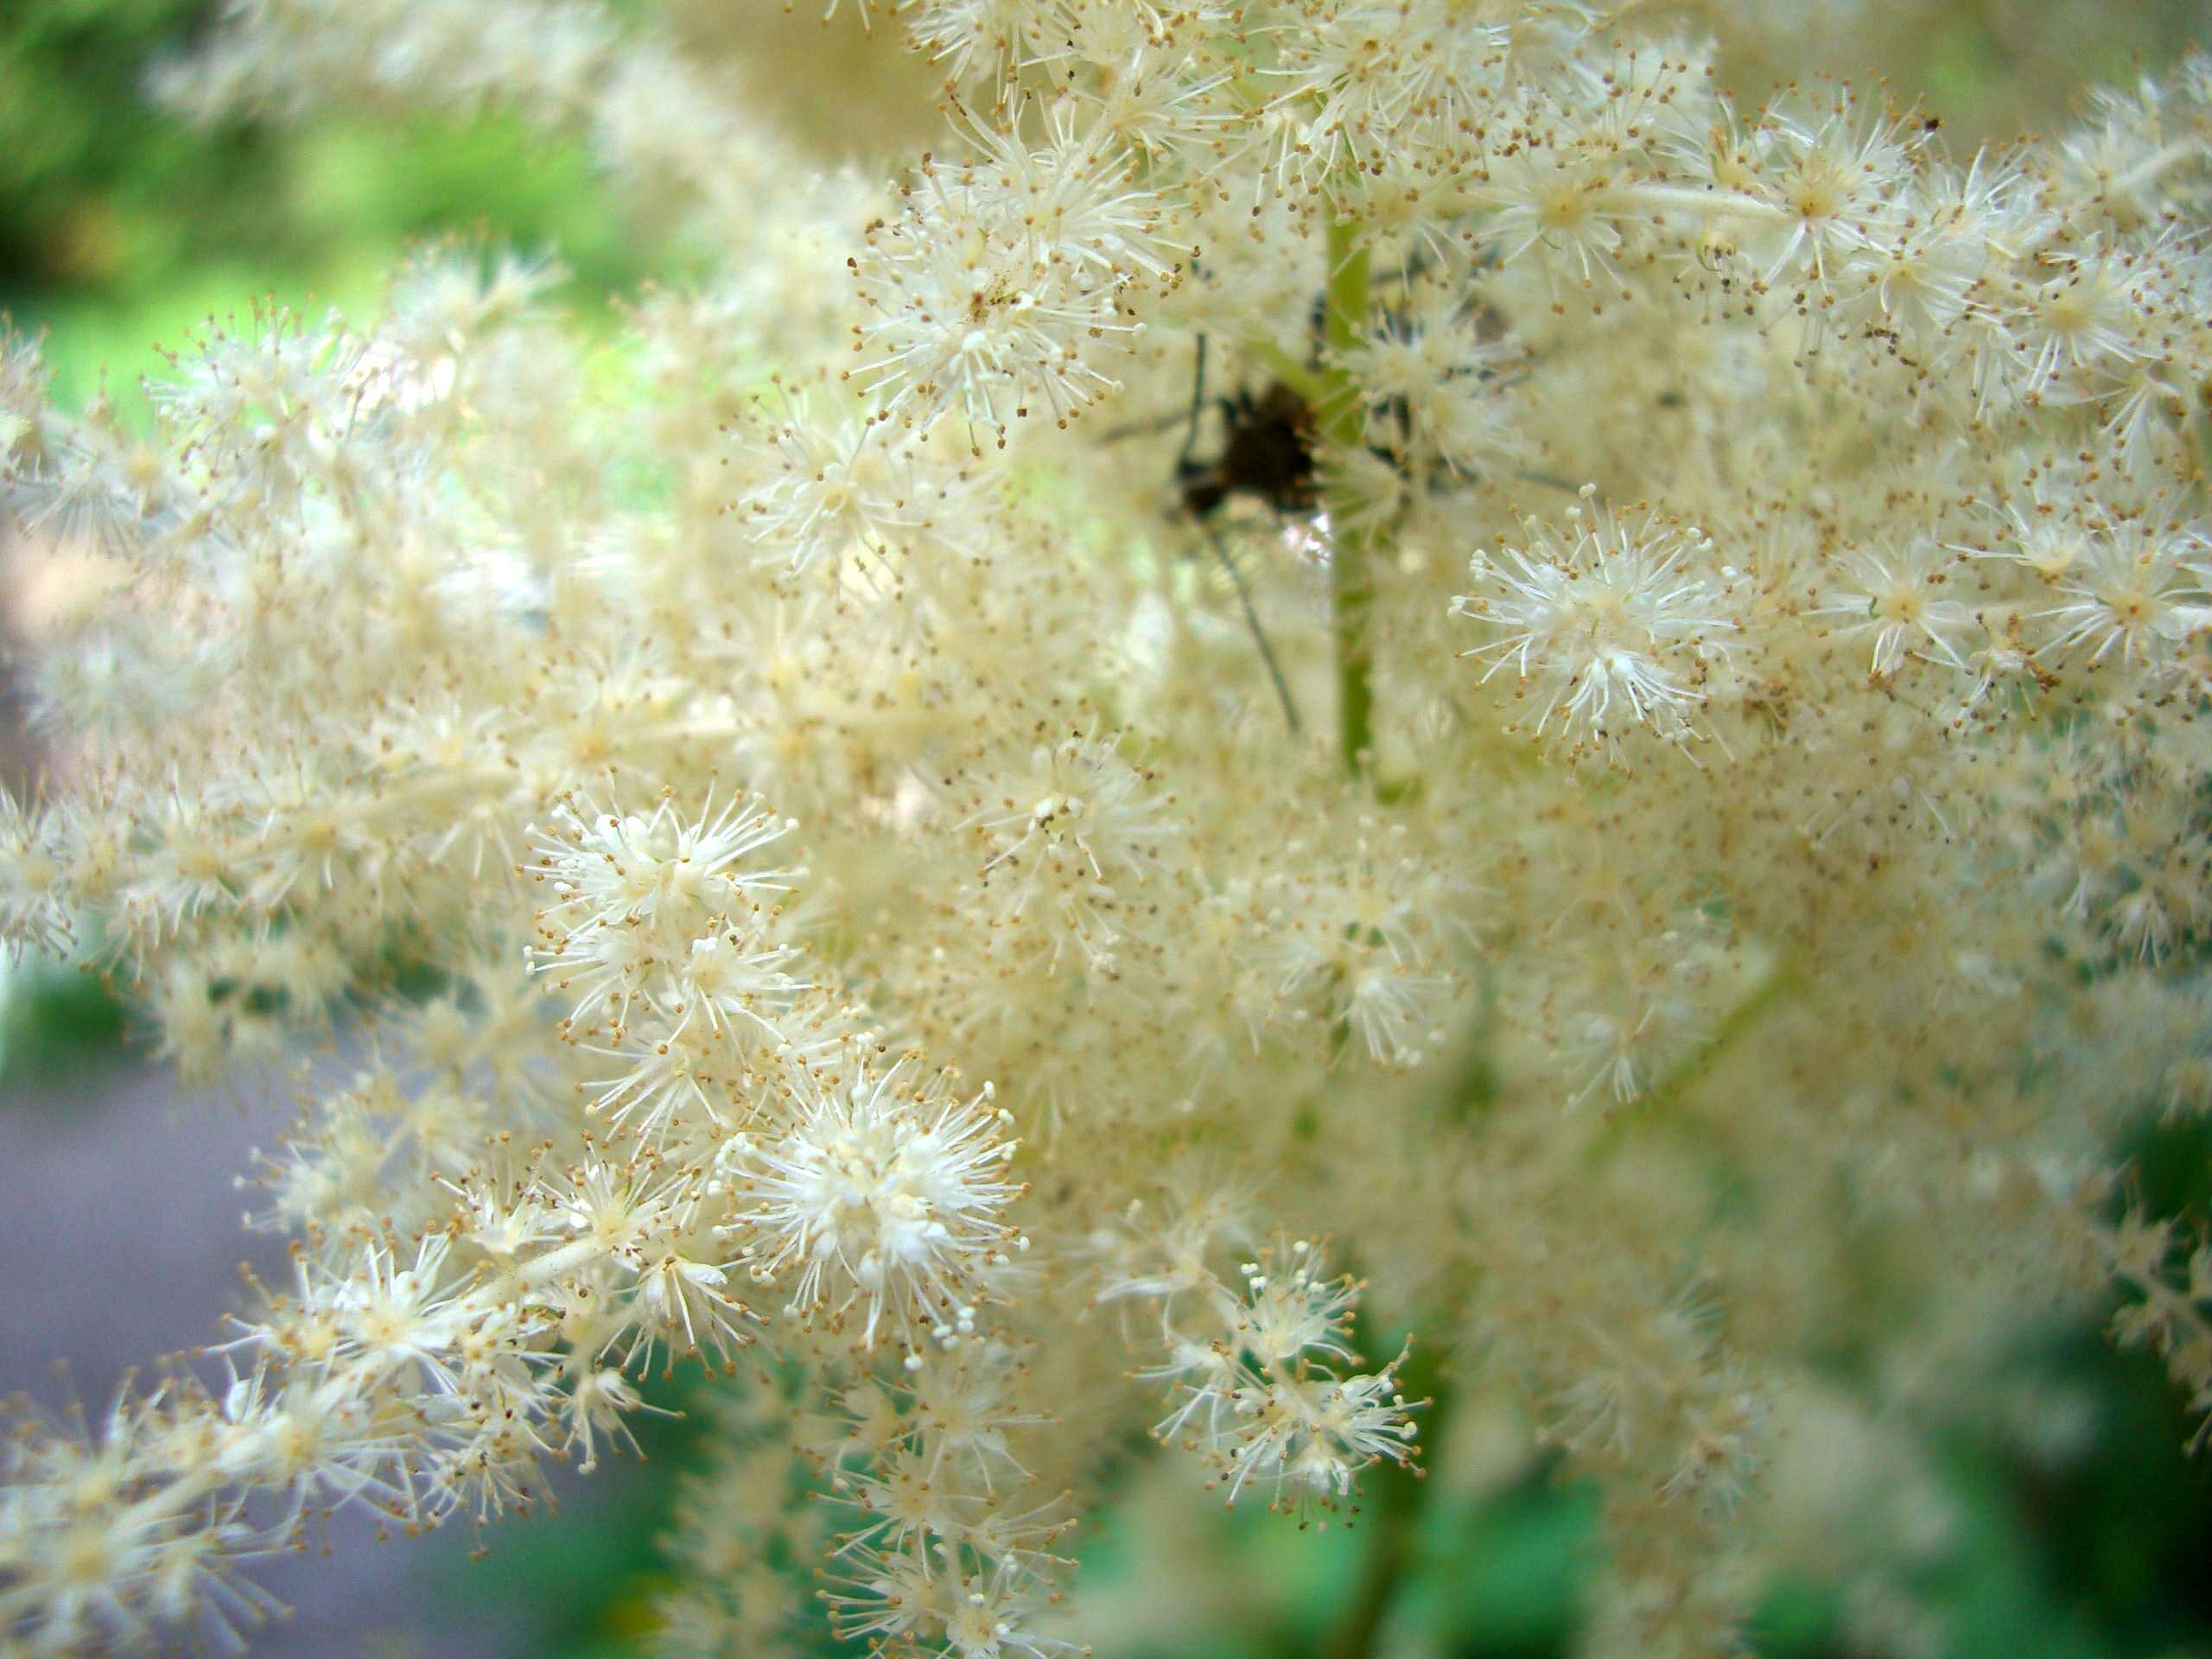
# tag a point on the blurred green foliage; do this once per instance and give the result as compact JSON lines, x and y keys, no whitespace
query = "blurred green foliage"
{"x":577,"y":1582}
{"x":56,"y":1022}
{"x":122,"y":225}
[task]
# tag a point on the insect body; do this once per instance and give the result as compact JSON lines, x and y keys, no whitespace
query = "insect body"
{"x":1267,"y":453}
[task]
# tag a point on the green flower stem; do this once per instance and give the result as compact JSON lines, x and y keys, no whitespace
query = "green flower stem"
{"x":1393,"y":1496}
{"x":1351,"y":586}
{"x":1390,"y":1511}
{"x":1298,"y":375}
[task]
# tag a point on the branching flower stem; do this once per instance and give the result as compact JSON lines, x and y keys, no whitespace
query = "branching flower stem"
{"x":1665,"y":1099}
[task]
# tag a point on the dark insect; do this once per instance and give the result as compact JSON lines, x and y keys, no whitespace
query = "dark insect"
{"x":1267,"y":451}
{"x":1267,"y":454}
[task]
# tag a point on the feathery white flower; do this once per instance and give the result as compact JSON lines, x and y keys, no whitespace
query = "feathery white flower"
{"x":996,"y":287}
{"x":634,"y":896}
{"x":2139,"y":593}
{"x":885,"y":1192}
{"x":1609,"y":626}
{"x":1896,"y":592}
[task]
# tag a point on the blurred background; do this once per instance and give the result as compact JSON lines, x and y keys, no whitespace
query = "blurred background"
{"x":2060,"y":1517}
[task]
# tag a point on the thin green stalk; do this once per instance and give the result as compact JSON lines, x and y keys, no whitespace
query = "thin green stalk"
{"x":1391,"y":1512}
{"x":1394,"y":1499}
{"x":1351,"y":585}
{"x":1390,"y":1557}
{"x":1295,"y":372}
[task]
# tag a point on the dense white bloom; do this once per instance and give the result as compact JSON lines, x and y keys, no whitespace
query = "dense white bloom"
{"x":847,"y":486}
{"x":2137,"y":596}
{"x":1355,"y":939}
{"x":1557,"y":201}
{"x":1309,"y":1437}
{"x":643,"y":903}
{"x":1897,"y":594}
{"x":1433,"y":382}
{"x":1611,"y":627}
{"x":1065,"y":838}
{"x":2083,"y":315}
{"x":404,"y":685}
{"x":33,"y":913}
{"x":990,"y":292}
{"x":885,"y":1192}
{"x":1839,"y":182}
{"x":1262,"y":1399}
{"x":1920,"y":275}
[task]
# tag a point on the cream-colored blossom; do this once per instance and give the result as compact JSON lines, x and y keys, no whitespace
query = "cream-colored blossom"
{"x":431,"y":686}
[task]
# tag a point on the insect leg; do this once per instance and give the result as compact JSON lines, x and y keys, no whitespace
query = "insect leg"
{"x":1140,"y":428}
{"x":1554,"y":481}
{"x":1198,"y":402}
{"x":1258,"y":634}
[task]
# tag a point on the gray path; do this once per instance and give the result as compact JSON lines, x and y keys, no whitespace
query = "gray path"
{"x":120,"y":1241}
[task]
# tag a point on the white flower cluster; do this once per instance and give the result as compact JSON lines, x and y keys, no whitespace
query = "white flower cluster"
{"x":1615,"y":627}
{"x":1255,"y":1386}
{"x":1739,"y":582}
{"x":991,"y":286}
{"x":885,"y":1195}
